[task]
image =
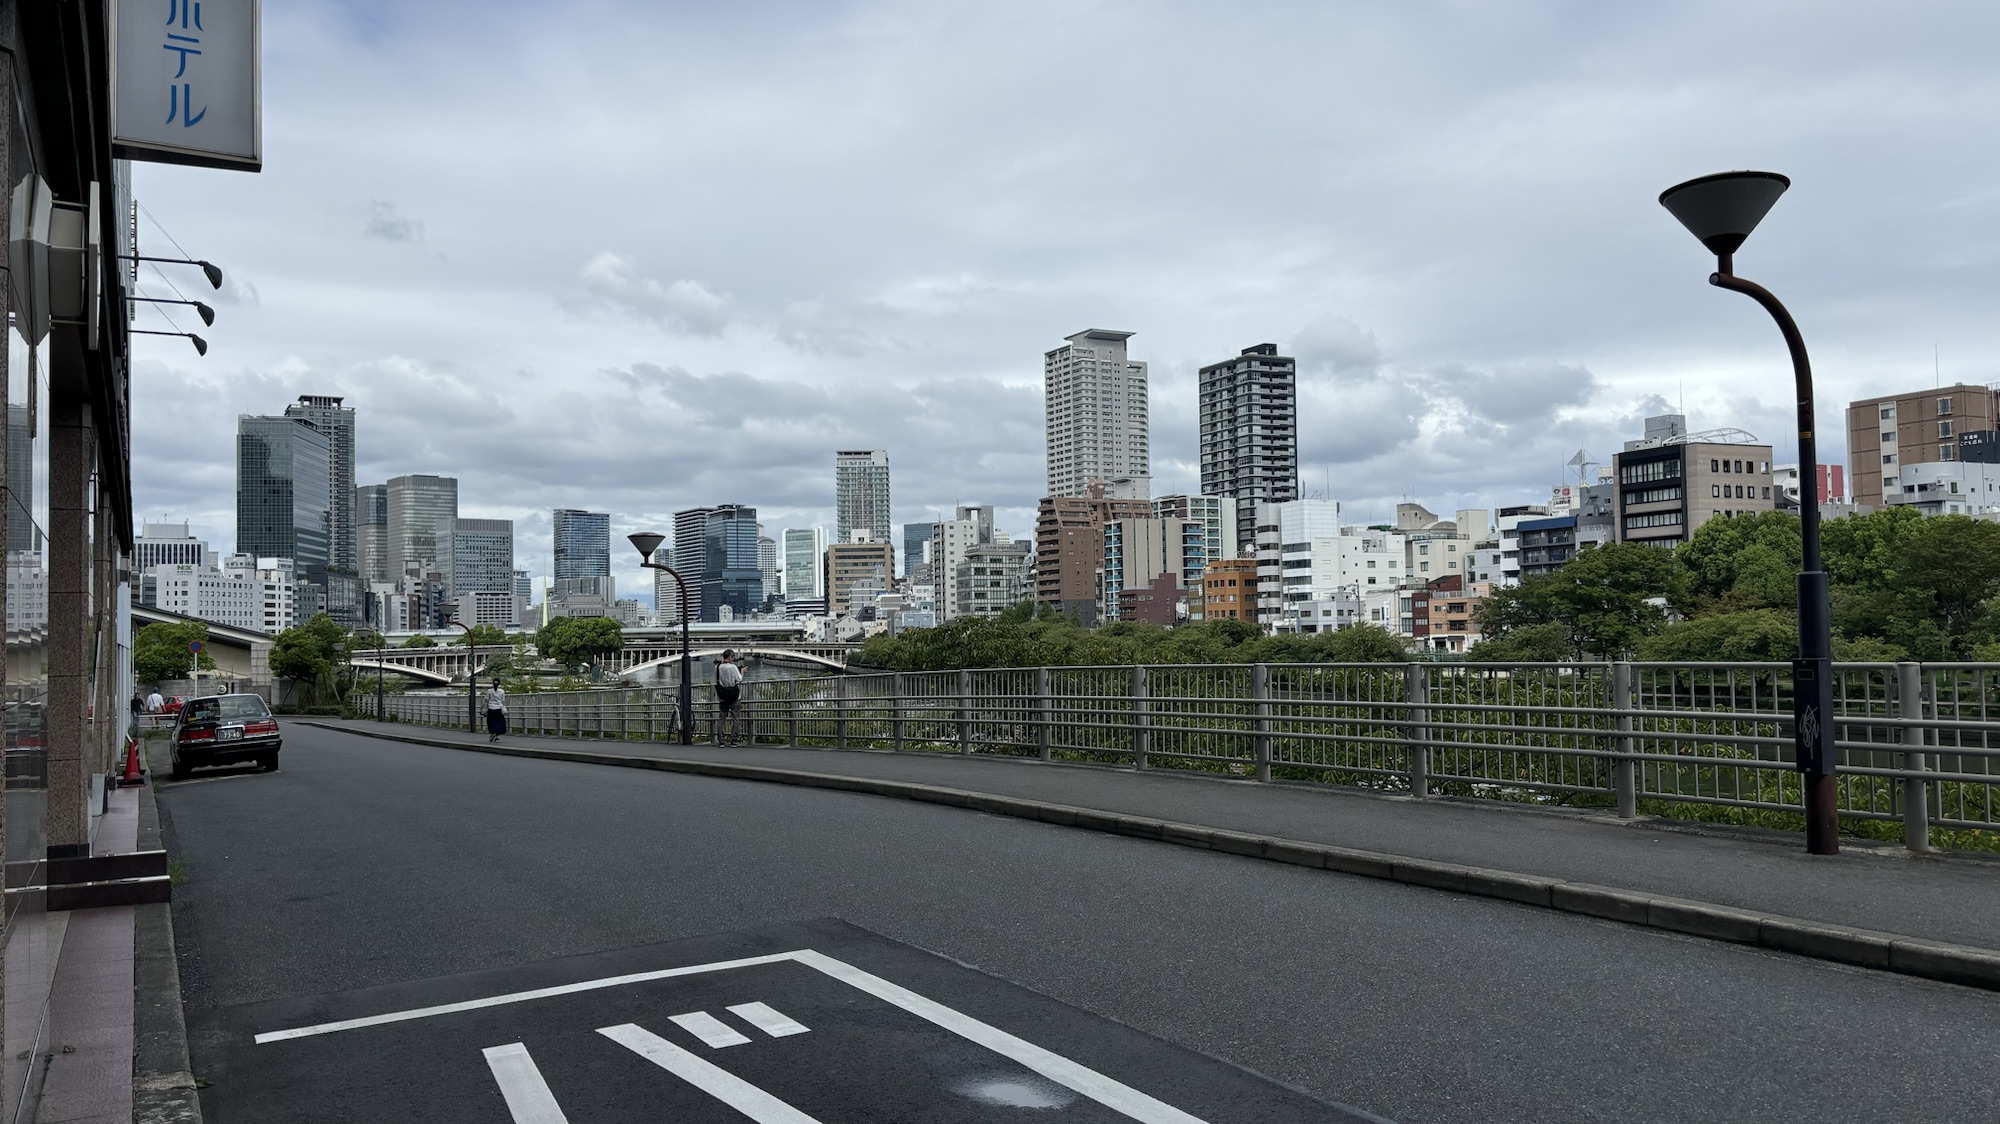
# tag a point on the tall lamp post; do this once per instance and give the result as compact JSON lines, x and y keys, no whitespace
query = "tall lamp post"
{"x":471,"y":680}
{"x":648,"y":543}
{"x":1722,"y":210}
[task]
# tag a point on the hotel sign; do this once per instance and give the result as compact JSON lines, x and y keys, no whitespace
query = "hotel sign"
{"x":186,"y":82}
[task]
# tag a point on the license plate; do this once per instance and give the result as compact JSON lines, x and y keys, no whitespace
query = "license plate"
{"x":229,"y":734}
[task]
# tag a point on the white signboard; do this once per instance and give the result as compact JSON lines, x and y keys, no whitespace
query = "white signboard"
{"x":186,"y":82}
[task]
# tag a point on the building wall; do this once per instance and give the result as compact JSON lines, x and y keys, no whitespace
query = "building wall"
{"x":861,"y":494}
{"x":371,"y":532}
{"x":582,"y":543}
{"x":856,"y":563}
{"x":1096,"y":415}
{"x":730,"y":573}
{"x":1250,"y":431}
{"x":801,"y":549}
{"x":1069,"y":549}
{"x":1666,"y":491}
{"x":418,"y":506}
{"x":991,"y":579}
{"x":479,"y":556}
{"x":1229,"y":590}
{"x":1138,"y":551}
{"x":282,"y":502}
{"x":330,"y":417}
{"x":1922,"y":427}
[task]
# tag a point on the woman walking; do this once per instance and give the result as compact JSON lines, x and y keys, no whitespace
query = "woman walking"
{"x":496,"y":712}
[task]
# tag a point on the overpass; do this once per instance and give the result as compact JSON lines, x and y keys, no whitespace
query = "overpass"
{"x":644,"y":651}
{"x":239,"y":653}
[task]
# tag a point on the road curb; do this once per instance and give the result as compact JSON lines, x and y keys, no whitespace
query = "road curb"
{"x":163,"y":1087}
{"x":1966,"y":965}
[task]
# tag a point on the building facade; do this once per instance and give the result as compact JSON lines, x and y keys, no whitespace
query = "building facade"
{"x":371,"y":532}
{"x":854,"y":567}
{"x":1069,"y":549}
{"x":1887,"y":434}
{"x":418,"y":506}
{"x":477,"y":556}
{"x":1672,"y":482}
{"x":730,"y":577}
{"x":916,"y":552}
{"x":582,"y":543}
{"x":1139,"y":553}
{"x":861,"y":494}
{"x":801,"y":549}
{"x":336,"y":421}
{"x":1250,"y":431}
{"x":1218,"y":516}
{"x":1096,"y":416}
{"x":282,"y":504}
{"x":1229,"y":590}
{"x":991,"y":578}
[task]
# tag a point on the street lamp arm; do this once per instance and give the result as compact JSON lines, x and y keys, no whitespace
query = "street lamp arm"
{"x":686,"y":691}
{"x":1802,"y":380}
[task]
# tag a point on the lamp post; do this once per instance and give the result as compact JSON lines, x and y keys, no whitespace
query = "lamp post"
{"x":1721,"y":210}
{"x":649,"y":542}
{"x":471,"y":680}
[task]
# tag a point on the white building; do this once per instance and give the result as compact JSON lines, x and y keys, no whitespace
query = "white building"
{"x":861,"y":494}
{"x":800,"y":552}
{"x":992,"y":578}
{"x":950,"y":541}
{"x":1435,"y":548}
{"x":1096,"y":414}
{"x":1946,"y":488}
{"x":27,"y":593}
{"x":231,"y":596}
{"x":1216,"y":514}
{"x":1507,"y":570}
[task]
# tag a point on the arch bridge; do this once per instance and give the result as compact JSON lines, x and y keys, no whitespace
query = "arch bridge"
{"x":451,"y":664}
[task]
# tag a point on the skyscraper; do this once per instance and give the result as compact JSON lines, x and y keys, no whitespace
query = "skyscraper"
{"x":802,"y":546}
{"x":1250,"y":432}
{"x":730,"y":575}
{"x":915,"y":535}
{"x":583,"y":543}
{"x":336,"y":421}
{"x":688,"y":554}
{"x":1096,"y":412}
{"x":282,"y":506}
{"x":861,"y":494}
{"x":477,"y":556}
{"x":371,"y":532}
{"x":418,"y":506}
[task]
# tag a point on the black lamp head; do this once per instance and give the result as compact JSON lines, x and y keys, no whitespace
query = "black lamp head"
{"x":214,"y":274}
{"x":647,"y":542}
{"x":1724,"y":208}
{"x":200,"y":345}
{"x":206,"y":313}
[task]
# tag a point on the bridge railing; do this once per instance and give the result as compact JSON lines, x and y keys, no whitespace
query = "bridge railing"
{"x":1919,"y":744}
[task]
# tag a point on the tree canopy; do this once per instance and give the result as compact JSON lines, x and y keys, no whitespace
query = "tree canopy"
{"x":484,"y":636}
{"x":1031,"y":636}
{"x":313,"y":655}
{"x":160,"y":651}
{"x":575,"y":641}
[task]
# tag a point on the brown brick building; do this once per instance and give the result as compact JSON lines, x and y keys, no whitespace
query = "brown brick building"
{"x":1069,"y":549}
{"x":1921,"y":427}
{"x":1229,"y":590}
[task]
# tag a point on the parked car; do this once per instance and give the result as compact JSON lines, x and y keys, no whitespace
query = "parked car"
{"x":223,"y":729}
{"x":172,"y":704}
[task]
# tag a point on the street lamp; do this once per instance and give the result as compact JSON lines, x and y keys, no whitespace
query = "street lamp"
{"x":1722,"y":210}
{"x":648,"y":542}
{"x":471,"y":679}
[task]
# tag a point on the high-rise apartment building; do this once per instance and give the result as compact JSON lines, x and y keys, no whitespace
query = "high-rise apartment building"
{"x":477,"y":556}
{"x":327,"y":415}
{"x":1216,"y":514}
{"x":1148,"y":564}
{"x":371,"y":532}
{"x":949,"y":542}
{"x":861,"y":494}
{"x":282,"y":505}
{"x":1096,"y":416}
{"x":582,"y":543}
{"x":1920,"y":427}
{"x":1250,"y":432}
{"x":418,"y":506}
{"x":802,"y":546}
{"x":990,"y":579}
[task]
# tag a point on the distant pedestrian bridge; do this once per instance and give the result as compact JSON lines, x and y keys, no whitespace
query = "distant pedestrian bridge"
{"x":646,"y":651}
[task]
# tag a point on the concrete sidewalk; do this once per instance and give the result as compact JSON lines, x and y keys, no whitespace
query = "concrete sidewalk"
{"x":1953,"y":898}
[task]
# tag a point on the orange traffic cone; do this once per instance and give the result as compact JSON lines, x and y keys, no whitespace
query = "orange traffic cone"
{"x":131,"y":776}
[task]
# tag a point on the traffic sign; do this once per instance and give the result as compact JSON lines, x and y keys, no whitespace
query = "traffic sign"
{"x":810,"y":1024}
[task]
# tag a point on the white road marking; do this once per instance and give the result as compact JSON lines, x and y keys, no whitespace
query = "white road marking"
{"x":711,"y":1030}
{"x":762,"y":1017}
{"x":717,"y":1082}
{"x":520,"y":1080}
{"x":1111,"y":1094}
{"x":517,"y":997}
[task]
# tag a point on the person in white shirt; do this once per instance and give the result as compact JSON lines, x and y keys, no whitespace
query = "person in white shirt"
{"x":728,"y":699}
{"x":496,"y":712}
{"x":154,"y":703}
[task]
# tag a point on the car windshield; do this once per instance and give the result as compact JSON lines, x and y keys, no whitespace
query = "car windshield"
{"x":225,"y":707}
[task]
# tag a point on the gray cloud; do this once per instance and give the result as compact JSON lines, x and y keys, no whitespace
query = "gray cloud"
{"x":384,"y":223}
{"x":682,"y":306}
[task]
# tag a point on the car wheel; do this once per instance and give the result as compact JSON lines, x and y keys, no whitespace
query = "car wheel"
{"x":180,"y":768}
{"x":269,"y":761}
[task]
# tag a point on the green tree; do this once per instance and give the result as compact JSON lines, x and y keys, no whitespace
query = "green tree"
{"x":1741,"y":562}
{"x":160,"y":651}
{"x":420,"y":641}
{"x":313,"y":655}
{"x":1949,"y":571}
{"x":575,"y":641}
{"x":1604,"y":601}
{"x":485,"y":636}
{"x":1748,"y":634}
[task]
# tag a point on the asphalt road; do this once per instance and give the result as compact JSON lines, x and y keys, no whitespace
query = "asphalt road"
{"x":367,"y":863}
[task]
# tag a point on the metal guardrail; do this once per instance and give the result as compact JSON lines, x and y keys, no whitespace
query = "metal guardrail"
{"x":1919,"y":744}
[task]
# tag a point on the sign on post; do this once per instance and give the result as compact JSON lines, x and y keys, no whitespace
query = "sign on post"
{"x":187,"y":82}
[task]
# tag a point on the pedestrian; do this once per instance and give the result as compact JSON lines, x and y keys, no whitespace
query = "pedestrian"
{"x":728,"y":698}
{"x":138,"y":710}
{"x":496,"y":712}
{"x":154,"y":703}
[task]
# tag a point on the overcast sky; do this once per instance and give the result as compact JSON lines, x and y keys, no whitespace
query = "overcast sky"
{"x":634,"y":257}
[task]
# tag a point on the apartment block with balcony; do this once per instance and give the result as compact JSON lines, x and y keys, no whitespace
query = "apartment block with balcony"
{"x":1672,"y":481}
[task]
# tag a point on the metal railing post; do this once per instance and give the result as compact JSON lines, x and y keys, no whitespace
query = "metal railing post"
{"x":896,"y":712}
{"x":840,"y":713}
{"x":1916,"y":790}
{"x":1260,"y":740}
{"x":792,"y":714}
{"x":1046,"y":712}
{"x":1625,"y":768}
{"x":1416,"y":696}
{"x":1142,"y":736}
{"x":965,"y":712}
